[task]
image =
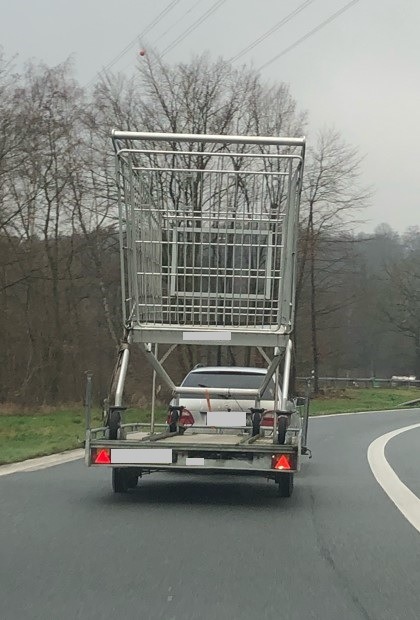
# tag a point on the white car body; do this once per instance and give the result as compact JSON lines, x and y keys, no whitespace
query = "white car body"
{"x":225,"y":377}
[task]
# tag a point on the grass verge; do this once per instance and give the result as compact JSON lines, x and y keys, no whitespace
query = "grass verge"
{"x":361,"y":399}
{"x":26,"y":435}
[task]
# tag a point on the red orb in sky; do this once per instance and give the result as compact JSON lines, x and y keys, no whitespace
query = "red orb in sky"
{"x":142,"y":52}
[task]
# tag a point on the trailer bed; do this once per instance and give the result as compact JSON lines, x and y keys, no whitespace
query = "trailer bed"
{"x":202,"y":439}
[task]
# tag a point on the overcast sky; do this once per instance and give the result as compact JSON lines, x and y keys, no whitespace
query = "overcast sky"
{"x":359,"y":73}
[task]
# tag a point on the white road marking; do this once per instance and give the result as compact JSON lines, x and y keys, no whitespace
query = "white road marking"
{"x":41,"y":463}
{"x":405,"y":500}
{"x":336,"y":415}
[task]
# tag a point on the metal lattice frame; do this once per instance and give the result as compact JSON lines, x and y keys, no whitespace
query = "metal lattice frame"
{"x":208,"y":235}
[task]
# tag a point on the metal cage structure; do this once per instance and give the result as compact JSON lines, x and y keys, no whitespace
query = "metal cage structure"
{"x":208,"y":240}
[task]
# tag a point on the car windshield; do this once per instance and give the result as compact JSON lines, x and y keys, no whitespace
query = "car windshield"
{"x":223,"y":379}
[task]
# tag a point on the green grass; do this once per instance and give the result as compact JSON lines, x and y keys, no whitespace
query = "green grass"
{"x":27,"y":435}
{"x":361,"y":399}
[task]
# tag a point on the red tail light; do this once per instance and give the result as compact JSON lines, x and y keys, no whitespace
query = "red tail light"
{"x":268,"y":419}
{"x":186,"y":418}
{"x":281,"y":461}
{"x":101,"y":456}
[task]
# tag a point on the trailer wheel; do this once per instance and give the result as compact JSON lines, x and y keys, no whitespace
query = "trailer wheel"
{"x":132,"y":481}
{"x":282,"y":428}
{"x":285,"y":482}
{"x":120,"y":480}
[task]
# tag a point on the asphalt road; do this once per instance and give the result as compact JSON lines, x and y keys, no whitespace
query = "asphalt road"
{"x":182,"y":548}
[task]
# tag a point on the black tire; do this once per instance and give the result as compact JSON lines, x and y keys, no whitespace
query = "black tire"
{"x":256,"y":423}
{"x":132,"y":481}
{"x":120,"y":480}
{"x":282,"y":428}
{"x":114,"y":421}
{"x":285,"y":482}
{"x":173,"y":420}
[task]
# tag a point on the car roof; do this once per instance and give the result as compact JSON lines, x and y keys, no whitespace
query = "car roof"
{"x":228,"y":369}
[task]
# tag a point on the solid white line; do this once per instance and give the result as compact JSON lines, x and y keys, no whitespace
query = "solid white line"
{"x":405,"y":500}
{"x":41,"y":463}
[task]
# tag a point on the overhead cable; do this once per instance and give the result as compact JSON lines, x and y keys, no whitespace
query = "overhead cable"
{"x":271,"y":31}
{"x":309,"y":34}
{"x":193,"y":26}
{"x":135,"y":41}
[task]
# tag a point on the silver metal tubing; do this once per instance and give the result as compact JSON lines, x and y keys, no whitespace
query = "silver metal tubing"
{"x":264,"y":355}
{"x":152,"y":418}
{"x":270,"y":372}
{"x":214,"y":154}
{"x":187,"y":391}
{"x":121,"y":377}
{"x":158,"y":367}
{"x":191,"y":137}
{"x":286,"y":375}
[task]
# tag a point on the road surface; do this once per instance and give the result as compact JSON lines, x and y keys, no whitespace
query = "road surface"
{"x":195,"y":548}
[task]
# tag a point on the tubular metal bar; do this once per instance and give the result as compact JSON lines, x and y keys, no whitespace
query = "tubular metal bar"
{"x":158,"y":367}
{"x":255,"y":438}
{"x":189,"y":391}
{"x":264,"y":355}
{"x":88,"y":399}
{"x":270,"y":372}
{"x":163,"y":435}
{"x":207,"y":153}
{"x":286,"y":375}
{"x":167,"y":354}
{"x":186,"y":137}
{"x":121,"y":215}
{"x":152,"y":417}
{"x":144,"y":335}
{"x":121,"y":377}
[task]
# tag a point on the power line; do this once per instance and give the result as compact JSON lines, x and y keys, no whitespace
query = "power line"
{"x":271,"y":31}
{"x":176,"y":22}
{"x":193,"y":26}
{"x":149,"y":27}
{"x":310,"y":33}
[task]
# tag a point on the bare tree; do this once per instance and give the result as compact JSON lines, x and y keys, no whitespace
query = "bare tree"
{"x":333,"y":196}
{"x":401,"y":303}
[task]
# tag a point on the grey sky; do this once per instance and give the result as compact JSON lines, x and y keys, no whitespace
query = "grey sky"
{"x":359,"y":73}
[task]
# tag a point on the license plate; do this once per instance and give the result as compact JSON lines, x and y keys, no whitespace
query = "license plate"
{"x":230,"y":419}
{"x":141,"y":456}
{"x":194,"y":461}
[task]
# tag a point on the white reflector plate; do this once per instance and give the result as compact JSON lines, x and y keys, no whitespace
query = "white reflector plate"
{"x":232,"y":419}
{"x":207,"y":336}
{"x":194,"y":461}
{"x":141,"y":456}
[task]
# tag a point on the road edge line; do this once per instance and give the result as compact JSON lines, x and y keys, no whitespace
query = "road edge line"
{"x":405,"y":500}
{"x":346,"y":413}
{"x":41,"y":462}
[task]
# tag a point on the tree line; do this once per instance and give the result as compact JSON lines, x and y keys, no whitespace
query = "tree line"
{"x":358,"y":295}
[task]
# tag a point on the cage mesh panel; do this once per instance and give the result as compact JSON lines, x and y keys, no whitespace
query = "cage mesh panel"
{"x":203,"y":237}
